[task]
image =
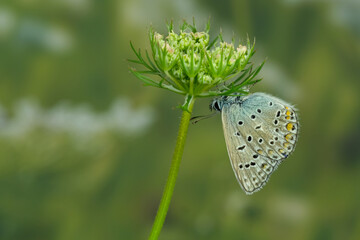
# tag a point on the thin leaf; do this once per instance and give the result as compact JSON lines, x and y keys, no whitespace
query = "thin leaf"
{"x":169,"y":78}
{"x":212,"y":43}
{"x":207,"y":28}
{"x":194,"y":25}
{"x":219,"y":70}
{"x":257,"y":70}
{"x":150,"y":62}
{"x":209,"y":59}
{"x":134,"y":61}
{"x":182,"y":62}
{"x":148,"y":72}
{"x":183,"y":26}
{"x":221,"y":36}
{"x":191,"y":27}
{"x":170,"y":26}
{"x":133,"y":48}
{"x":145,"y":79}
{"x":240,"y":77}
{"x":138,"y":55}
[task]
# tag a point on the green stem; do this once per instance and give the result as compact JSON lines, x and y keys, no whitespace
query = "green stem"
{"x":174,"y":169}
{"x":191,"y":88}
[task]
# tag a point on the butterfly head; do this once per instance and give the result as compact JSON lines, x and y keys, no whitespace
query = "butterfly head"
{"x":218,"y":103}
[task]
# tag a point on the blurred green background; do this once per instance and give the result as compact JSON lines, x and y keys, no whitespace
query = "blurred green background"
{"x":85,"y":148}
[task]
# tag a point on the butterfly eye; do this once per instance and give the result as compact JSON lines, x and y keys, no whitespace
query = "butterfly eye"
{"x":216,"y":106}
{"x":259,"y":110}
{"x":240,"y":123}
{"x":252,"y":116}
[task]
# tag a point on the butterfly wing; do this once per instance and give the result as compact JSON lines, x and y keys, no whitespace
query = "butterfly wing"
{"x":259,"y":133}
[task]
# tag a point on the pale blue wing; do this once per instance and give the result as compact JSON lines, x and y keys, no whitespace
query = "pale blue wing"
{"x":258,"y":136}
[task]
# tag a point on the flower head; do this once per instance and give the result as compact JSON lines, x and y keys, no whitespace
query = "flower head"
{"x":189,"y":63}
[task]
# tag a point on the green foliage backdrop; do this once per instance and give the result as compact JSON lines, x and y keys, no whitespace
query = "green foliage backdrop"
{"x":85,"y":149}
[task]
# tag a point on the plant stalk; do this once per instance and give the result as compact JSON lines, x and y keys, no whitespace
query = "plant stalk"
{"x":174,"y":169}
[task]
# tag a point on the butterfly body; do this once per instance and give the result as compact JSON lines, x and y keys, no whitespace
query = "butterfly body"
{"x":260,"y":132}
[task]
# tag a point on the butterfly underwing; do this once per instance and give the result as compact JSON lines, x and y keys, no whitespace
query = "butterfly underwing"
{"x":260,"y":133}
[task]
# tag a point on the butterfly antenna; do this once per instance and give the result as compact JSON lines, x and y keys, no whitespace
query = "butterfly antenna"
{"x":199,"y":118}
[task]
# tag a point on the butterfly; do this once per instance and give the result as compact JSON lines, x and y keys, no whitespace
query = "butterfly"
{"x":260,"y":133}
